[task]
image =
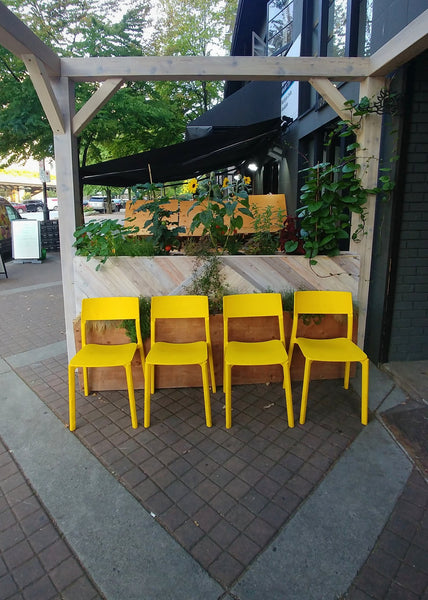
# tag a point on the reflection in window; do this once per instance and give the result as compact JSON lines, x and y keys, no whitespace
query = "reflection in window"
{"x":280,"y":25}
{"x":365,"y":33}
{"x":336,"y":28}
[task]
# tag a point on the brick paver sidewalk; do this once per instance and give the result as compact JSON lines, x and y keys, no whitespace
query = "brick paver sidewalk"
{"x":223,"y":495}
{"x":35,"y":561}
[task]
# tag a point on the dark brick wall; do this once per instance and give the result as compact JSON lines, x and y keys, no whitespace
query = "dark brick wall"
{"x":409,"y":326}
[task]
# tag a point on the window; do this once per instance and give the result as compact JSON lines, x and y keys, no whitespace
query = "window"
{"x":365,"y":33}
{"x":336,"y":36}
{"x":280,"y":26}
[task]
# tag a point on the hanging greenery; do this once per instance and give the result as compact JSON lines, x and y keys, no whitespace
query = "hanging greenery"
{"x":332,"y":192}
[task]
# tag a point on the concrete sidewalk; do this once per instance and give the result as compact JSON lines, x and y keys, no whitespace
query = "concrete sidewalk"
{"x":328,"y":510}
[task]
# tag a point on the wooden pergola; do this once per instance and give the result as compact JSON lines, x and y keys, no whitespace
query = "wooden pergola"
{"x":54,"y":80}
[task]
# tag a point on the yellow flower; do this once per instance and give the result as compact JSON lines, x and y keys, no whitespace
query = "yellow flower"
{"x":225,"y":182}
{"x":192,"y":185}
{"x":247,"y":180}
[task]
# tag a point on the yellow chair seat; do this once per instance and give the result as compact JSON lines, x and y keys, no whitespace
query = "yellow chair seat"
{"x":331,"y":350}
{"x":99,"y":355}
{"x":270,"y":352}
{"x":168,"y":353}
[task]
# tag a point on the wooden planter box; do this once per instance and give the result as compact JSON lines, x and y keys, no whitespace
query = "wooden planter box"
{"x":189,"y":330}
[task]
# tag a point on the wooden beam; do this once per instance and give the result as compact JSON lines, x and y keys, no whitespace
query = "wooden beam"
{"x":43,"y":87}
{"x":211,"y":68}
{"x":368,"y":137}
{"x":331,"y":95}
{"x":69,"y":209}
{"x":403,"y":47}
{"x":16,"y":37}
{"x":95,"y":103}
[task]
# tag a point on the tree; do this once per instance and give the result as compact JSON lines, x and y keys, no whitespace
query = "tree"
{"x":141,"y":115}
{"x":194,"y":28}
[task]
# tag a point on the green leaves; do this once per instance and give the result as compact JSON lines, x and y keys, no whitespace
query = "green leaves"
{"x":217,"y":210}
{"x":330,"y":194}
{"x":108,"y":237}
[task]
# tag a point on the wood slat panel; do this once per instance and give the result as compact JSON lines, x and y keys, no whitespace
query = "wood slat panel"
{"x":169,"y":275}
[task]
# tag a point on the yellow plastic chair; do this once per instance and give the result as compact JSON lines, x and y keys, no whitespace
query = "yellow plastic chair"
{"x":328,"y":350}
{"x":269,"y":352}
{"x":178,"y":354}
{"x":106,"y":355}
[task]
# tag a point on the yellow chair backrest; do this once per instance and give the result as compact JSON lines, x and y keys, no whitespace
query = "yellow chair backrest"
{"x":111,"y":309}
{"x":179,"y":307}
{"x":323,"y":302}
{"x":253,"y":305}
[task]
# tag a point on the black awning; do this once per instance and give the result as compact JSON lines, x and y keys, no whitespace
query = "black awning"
{"x":223,"y":147}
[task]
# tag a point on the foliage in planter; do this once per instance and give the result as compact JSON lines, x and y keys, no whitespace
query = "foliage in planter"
{"x":129,"y":324}
{"x":209,"y":280}
{"x":265,"y":241}
{"x":331,"y":192}
{"x":220,"y":209}
{"x":162,"y":225}
{"x":290,"y":239}
{"x":108,"y":237}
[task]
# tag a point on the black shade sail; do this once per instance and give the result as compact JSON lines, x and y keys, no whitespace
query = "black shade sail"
{"x":222,"y":147}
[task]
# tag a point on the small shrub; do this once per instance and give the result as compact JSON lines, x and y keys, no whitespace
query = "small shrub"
{"x":209,"y":280}
{"x":101,"y":239}
{"x":129,"y":324}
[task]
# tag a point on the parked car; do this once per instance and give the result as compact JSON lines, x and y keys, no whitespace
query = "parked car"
{"x":7,"y":214}
{"x":98,"y":203}
{"x":34,"y":205}
{"x":118,"y":203}
{"x":21,"y":208}
{"x":52,"y":203}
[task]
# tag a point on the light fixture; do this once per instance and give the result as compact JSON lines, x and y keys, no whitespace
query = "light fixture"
{"x":252,"y":167}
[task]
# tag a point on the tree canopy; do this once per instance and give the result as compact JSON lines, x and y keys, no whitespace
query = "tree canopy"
{"x":141,"y":115}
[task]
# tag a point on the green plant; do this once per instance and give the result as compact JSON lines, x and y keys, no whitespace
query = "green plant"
{"x":220,"y":209}
{"x":163,"y":228}
{"x":264,"y":240}
{"x":108,"y":237}
{"x":129,"y":324}
{"x":209,"y":280}
{"x":331,"y":192}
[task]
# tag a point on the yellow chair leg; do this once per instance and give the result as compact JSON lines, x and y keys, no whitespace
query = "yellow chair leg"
{"x":213,"y":385}
{"x":72,"y":398}
{"x":227,"y":385}
{"x":147,"y":389}
{"x":131,"y":394}
{"x":365,"y":392}
{"x":347,"y":375}
{"x":85,"y":381}
{"x":207,"y":401}
{"x":288,"y":395}
{"x":152,"y":379}
{"x":304,"y":402}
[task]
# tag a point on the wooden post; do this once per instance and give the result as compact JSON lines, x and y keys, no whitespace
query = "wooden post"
{"x":368,"y":137}
{"x":69,"y":211}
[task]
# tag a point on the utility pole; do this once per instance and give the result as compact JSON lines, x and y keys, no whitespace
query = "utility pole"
{"x":44,"y":177}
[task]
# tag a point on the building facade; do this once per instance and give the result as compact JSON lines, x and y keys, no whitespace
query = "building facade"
{"x":397,"y":322}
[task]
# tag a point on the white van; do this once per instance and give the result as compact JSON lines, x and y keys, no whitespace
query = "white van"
{"x":52,"y":203}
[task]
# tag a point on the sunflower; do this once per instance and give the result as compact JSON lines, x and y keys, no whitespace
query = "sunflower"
{"x":225,"y":182}
{"x":247,"y":180}
{"x":193,"y":185}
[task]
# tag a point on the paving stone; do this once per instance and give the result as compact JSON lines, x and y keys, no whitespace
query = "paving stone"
{"x":223,"y":494}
